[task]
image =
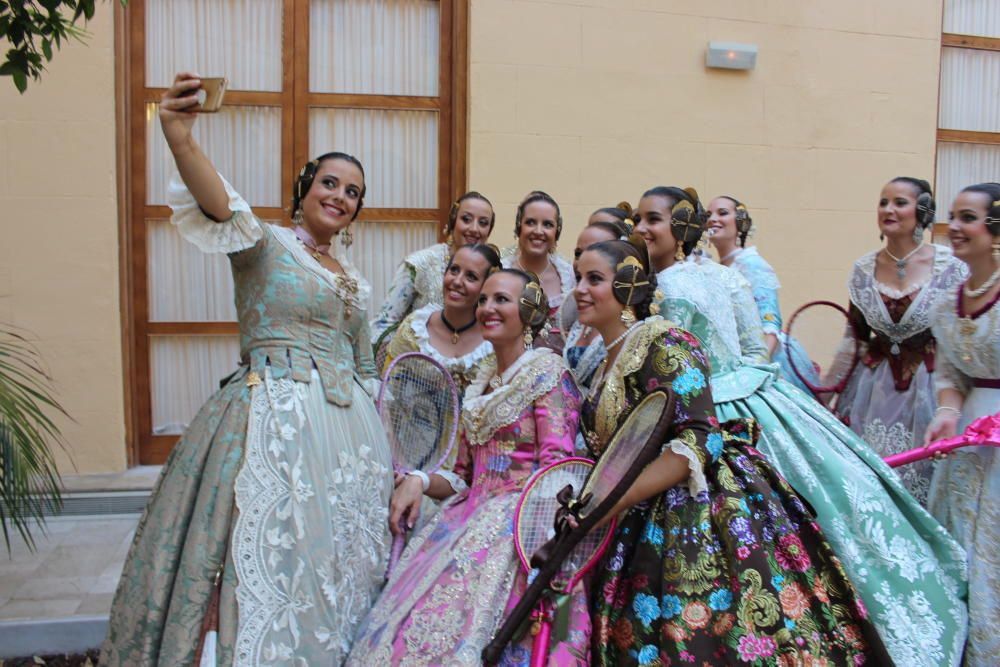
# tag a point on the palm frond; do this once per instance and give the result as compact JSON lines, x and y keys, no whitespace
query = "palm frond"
{"x":29,"y":479}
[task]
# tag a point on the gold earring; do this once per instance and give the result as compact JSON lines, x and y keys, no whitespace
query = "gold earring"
{"x":528,"y":338}
{"x":627,"y":316}
{"x":297,"y":218}
{"x":996,"y":249}
{"x":450,"y":240}
{"x":346,"y":237}
{"x":679,"y":252}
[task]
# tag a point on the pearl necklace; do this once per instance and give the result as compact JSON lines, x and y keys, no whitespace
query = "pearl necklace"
{"x":982,"y":289}
{"x":548,"y":266}
{"x":901,"y":261}
{"x":613,"y":344}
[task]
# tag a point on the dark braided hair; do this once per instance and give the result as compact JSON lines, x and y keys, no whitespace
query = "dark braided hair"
{"x":308,"y":174}
{"x":453,"y":213}
{"x":925,"y":199}
{"x":486,"y":250}
{"x":616,"y":252}
{"x":686,"y":223}
{"x":992,"y":192}
{"x":531,"y":316}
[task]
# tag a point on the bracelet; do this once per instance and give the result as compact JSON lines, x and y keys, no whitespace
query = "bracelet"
{"x":424,"y":479}
{"x":948,"y":407}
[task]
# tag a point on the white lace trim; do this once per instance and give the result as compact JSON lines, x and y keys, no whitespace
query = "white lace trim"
{"x":241,"y":231}
{"x":946,"y":273}
{"x":534,"y":374}
{"x":275,"y":594}
{"x":696,"y":482}
{"x":357,"y":299}
{"x":461,"y":364}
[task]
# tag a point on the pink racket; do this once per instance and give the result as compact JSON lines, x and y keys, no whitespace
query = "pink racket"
{"x":534,"y":525}
{"x":985,"y":431}
{"x":418,"y":404}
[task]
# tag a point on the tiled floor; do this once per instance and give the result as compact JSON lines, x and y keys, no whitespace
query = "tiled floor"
{"x":72,"y":572}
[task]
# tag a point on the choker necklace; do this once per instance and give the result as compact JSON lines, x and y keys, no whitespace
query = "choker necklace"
{"x":456,"y":331}
{"x":317,"y":250}
{"x":901,"y":261}
{"x":982,"y":289}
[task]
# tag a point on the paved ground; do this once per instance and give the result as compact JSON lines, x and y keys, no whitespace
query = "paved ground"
{"x":73,"y":571}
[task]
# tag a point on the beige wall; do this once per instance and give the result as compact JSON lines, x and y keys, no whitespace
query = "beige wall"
{"x":59,"y":238}
{"x":591,"y":100}
{"x":596,"y":101}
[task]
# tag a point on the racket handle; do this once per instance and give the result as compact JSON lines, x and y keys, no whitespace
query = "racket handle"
{"x":540,"y":647}
{"x":398,"y":543}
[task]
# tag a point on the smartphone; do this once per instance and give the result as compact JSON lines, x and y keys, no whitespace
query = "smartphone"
{"x":213,"y":89}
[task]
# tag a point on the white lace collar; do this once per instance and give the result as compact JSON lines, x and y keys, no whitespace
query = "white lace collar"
{"x":460,"y":364}
{"x":534,"y":374}
{"x":358,"y":298}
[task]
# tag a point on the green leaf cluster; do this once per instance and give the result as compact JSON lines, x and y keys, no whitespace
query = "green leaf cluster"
{"x":34,"y":29}
{"x":29,"y":480}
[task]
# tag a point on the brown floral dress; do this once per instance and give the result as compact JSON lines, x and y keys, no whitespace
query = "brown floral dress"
{"x":729,"y":567}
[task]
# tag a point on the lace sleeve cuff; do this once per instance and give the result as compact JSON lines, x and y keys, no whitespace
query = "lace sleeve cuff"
{"x":456,"y":482}
{"x":241,"y":231}
{"x":696,"y":482}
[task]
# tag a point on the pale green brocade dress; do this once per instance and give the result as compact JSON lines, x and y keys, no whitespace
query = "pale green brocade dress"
{"x":908,"y":570}
{"x":284,"y":474}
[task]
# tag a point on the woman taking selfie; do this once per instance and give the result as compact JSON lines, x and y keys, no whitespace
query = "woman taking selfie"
{"x":269,"y":520}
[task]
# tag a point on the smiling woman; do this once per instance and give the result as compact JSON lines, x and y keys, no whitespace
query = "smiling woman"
{"x":537,"y":228}
{"x":289,"y":451}
{"x":417,"y":282}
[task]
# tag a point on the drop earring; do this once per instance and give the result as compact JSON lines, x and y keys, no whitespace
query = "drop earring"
{"x":346,"y":237}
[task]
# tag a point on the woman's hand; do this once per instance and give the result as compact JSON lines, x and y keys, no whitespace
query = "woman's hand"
{"x":405,"y":503}
{"x":176,"y":115}
{"x":944,"y":425}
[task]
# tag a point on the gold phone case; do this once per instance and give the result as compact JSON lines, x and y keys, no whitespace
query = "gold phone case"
{"x":214,"y":90}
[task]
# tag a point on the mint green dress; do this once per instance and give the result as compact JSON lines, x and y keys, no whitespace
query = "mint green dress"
{"x":280,"y":484}
{"x":909,"y":571}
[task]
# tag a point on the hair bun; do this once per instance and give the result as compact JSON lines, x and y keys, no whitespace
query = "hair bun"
{"x":533,"y":306}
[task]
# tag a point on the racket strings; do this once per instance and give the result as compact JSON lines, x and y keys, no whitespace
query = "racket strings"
{"x":621,"y":452}
{"x":419,"y":406}
{"x":535,"y":521}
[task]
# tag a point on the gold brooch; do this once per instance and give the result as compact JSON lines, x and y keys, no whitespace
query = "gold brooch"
{"x":253,"y":379}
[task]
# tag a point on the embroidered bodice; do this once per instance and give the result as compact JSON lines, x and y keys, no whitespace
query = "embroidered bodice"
{"x":896,"y":326}
{"x":765,"y":285}
{"x":714,"y":303}
{"x":968,"y":343}
{"x":294,"y":315}
{"x":412,"y":336}
{"x":529,"y":422}
{"x":658,"y":354}
{"x":416,"y":284}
